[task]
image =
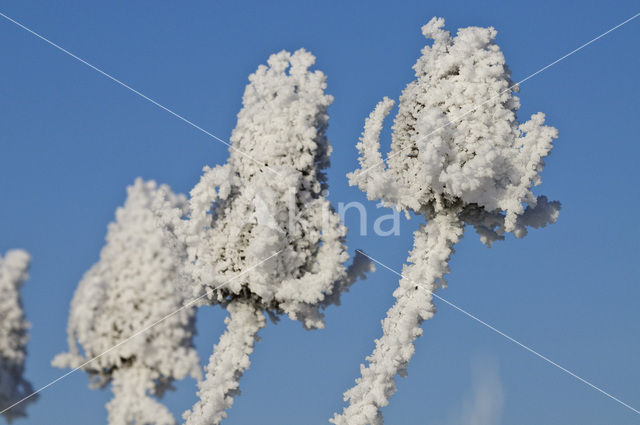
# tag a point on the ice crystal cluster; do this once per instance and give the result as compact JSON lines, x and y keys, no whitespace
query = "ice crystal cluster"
{"x":128,"y":311}
{"x":458,"y":156}
{"x":13,"y":335}
{"x":261,"y":236}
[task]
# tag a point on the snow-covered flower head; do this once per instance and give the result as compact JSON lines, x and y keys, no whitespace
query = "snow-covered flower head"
{"x":14,"y":269}
{"x":456,"y":138}
{"x":269,"y":199}
{"x":128,"y":294}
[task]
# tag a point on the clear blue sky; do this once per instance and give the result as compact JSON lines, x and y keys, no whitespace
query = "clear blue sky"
{"x":71,"y":140}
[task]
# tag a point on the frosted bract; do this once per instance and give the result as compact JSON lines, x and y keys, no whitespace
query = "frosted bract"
{"x":13,"y":334}
{"x":456,"y":139}
{"x":269,"y":198}
{"x":133,"y":287}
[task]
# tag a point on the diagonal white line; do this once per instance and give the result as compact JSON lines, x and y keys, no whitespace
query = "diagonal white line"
{"x":190,"y":303}
{"x":114,"y":79}
{"x":499,"y":332}
{"x":501,"y":93}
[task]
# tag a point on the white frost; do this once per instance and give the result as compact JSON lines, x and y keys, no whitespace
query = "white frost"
{"x":229,"y":360}
{"x":246,"y":211}
{"x":433,"y":245}
{"x":133,"y":286}
{"x":458,"y":156}
{"x":14,"y":269}
{"x":456,"y":138}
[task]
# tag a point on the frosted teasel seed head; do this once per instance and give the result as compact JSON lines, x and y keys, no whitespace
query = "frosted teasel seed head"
{"x":14,"y":271}
{"x":456,"y":139}
{"x":133,"y":294}
{"x":243,"y":212}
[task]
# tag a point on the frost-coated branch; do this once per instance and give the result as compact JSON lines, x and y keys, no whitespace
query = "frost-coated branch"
{"x":14,"y":269}
{"x":132,"y":403}
{"x":229,"y":360}
{"x":428,"y":262}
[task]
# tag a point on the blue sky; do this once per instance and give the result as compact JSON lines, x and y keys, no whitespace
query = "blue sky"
{"x":71,"y":140}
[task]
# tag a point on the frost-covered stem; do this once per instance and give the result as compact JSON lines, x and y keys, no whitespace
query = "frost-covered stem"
{"x":428,"y":260}
{"x":132,"y":403}
{"x":229,"y":360}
